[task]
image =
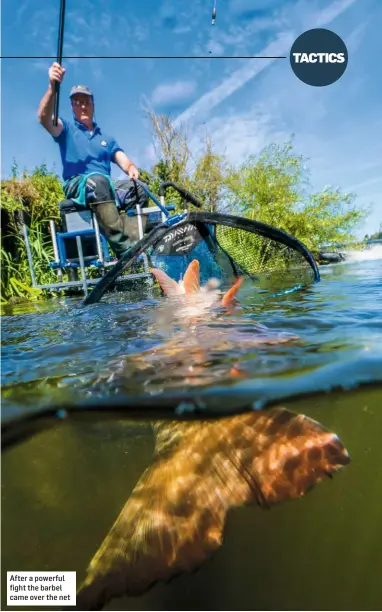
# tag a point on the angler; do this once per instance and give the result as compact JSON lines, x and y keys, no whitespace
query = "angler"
{"x":87,"y":153}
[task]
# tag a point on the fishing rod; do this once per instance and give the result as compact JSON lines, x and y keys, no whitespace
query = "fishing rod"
{"x":214,"y":14}
{"x":59,"y":59}
{"x":60,"y":53}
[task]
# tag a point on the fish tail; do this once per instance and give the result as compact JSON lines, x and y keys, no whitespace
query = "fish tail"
{"x":230,"y":297}
{"x":301,"y":453}
{"x":191,"y":280}
{"x":174,"y":519}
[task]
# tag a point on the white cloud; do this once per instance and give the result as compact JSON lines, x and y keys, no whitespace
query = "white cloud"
{"x":328,"y":14}
{"x":252,"y":68}
{"x":367,"y":183}
{"x":177,"y":91}
{"x":237,"y":135}
{"x":20,"y":11}
{"x":354,"y":40}
{"x":236,"y":80}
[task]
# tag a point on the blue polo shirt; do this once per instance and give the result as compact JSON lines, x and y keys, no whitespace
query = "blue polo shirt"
{"x":83,"y":152}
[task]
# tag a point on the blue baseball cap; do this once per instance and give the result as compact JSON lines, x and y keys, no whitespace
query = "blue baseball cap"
{"x":80,"y":89}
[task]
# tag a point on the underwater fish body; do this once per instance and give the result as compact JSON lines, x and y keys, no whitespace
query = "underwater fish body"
{"x":174,"y":519}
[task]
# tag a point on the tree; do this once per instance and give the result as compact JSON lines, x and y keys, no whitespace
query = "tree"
{"x":203,"y":176}
{"x":208,"y":180}
{"x":274,"y":188}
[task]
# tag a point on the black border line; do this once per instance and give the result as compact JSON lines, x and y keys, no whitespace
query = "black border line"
{"x":145,"y":57}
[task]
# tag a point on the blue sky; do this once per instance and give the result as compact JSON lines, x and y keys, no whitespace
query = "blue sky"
{"x":242,"y":104}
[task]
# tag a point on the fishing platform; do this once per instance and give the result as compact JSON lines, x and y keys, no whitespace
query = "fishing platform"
{"x":80,"y":245}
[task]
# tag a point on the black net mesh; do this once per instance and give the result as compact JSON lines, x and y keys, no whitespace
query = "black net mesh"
{"x":273,"y":263}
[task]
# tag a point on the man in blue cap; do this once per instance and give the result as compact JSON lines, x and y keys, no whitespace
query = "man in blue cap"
{"x":86,"y":154}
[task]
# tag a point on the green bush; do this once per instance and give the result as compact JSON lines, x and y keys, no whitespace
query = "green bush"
{"x":274,"y":188}
{"x":31,"y":199}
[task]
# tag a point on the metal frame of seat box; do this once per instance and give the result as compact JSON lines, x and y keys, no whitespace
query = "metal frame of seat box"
{"x":82,"y":225}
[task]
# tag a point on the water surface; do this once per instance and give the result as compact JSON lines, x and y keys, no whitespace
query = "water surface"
{"x":59,"y":350}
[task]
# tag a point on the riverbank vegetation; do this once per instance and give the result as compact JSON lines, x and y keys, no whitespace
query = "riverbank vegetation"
{"x":272,"y":187}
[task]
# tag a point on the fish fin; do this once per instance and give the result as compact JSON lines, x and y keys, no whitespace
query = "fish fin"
{"x":191,"y":280}
{"x":230,"y":296}
{"x":174,"y":519}
{"x":168,"y":284}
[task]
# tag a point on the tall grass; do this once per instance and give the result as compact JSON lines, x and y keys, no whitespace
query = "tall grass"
{"x":31,"y":199}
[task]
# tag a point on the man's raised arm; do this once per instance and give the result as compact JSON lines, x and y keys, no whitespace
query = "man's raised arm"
{"x":45,"y":110}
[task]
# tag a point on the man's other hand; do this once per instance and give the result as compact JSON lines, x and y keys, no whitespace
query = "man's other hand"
{"x":133,"y":172}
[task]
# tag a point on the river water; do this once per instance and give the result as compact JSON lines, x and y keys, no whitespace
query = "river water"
{"x":63,"y":487}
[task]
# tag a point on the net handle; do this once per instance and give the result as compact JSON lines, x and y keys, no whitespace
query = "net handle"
{"x":183,"y":192}
{"x":127,"y":258}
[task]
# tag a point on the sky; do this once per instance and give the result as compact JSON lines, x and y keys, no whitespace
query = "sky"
{"x":243,"y":104}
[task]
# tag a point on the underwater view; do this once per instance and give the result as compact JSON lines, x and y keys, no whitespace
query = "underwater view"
{"x":219,"y":519}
